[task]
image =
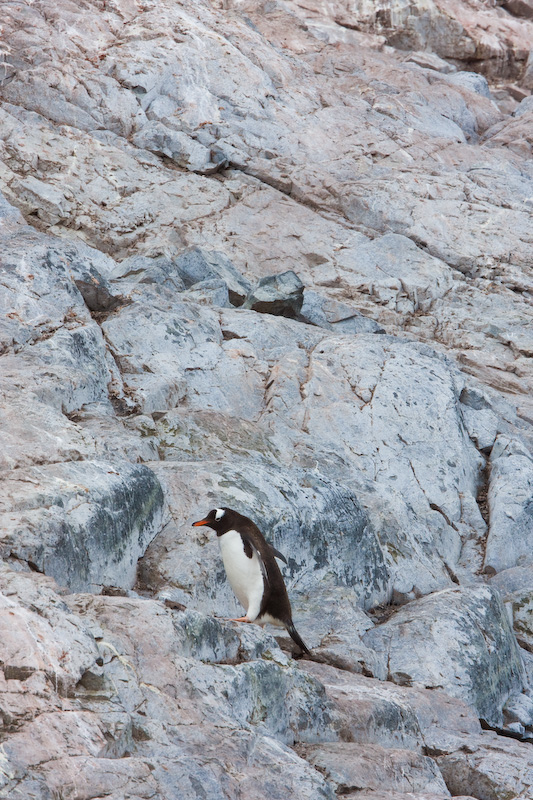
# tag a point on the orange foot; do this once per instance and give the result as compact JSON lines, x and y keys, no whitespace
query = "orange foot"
{"x":239,"y":619}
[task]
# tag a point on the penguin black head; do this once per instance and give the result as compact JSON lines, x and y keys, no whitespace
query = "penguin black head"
{"x":220,"y":519}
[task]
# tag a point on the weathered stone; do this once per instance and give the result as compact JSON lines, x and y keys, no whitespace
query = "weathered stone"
{"x":84,"y":523}
{"x":471,"y":81}
{"x":141,"y":269}
{"x":210,"y":292}
{"x":381,"y":712}
{"x":523,"y":107}
{"x":430,"y":61}
{"x":160,"y":161}
{"x":520,"y":8}
{"x":352,"y":767}
{"x":336,"y":316}
{"x":196,"y":265}
{"x":482,"y":425}
{"x":527,"y":77}
{"x":502,"y":769}
{"x":459,"y":640}
{"x":512,"y":580}
{"x":511,"y":506}
{"x":175,"y":145}
{"x":281,"y":295}
{"x":40,"y":635}
{"x":519,"y":709}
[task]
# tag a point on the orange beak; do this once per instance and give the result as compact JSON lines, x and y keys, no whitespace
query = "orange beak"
{"x":200,"y":522}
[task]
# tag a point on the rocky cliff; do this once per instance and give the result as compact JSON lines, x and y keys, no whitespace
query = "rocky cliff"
{"x":276,"y":256}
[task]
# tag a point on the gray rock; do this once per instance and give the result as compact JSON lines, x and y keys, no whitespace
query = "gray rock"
{"x":40,"y":635}
{"x":195,"y":265}
{"x":176,"y":145}
{"x":383,"y":713}
{"x":512,"y":580}
{"x":430,"y":61}
{"x":482,"y":426}
{"x":459,"y":640}
{"x":472,"y":81}
{"x":352,"y":767}
{"x":332,"y":315}
{"x":212,"y":292}
{"x":141,"y":269}
{"x":525,"y":106}
{"x":511,"y":506}
{"x":84,"y":523}
{"x":90,"y":270}
{"x":266,"y":701}
{"x":282,"y":137}
{"x":521,"y":603}
{"x":219,"y":641}
{"x":498,"y":770}
{"x":519,"y":709}
{"x":281,"y":295}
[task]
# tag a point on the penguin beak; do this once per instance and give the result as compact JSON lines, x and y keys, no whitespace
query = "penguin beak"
{"x":200,"y":522}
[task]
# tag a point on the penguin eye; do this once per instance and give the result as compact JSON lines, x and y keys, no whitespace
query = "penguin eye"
{"x":219,"y":513}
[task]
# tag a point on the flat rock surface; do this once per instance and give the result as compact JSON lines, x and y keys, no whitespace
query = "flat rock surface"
{"x":274,"y":256}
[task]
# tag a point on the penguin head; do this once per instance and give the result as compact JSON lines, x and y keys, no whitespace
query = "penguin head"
{"x":220,"y":519}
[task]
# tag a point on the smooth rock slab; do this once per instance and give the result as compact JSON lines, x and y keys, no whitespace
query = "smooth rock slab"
{"x":333,"y":315}
{"x":84,"y":523}
{"x":407,"y":717}
{"x":510,"y":540}
{"x":352,"y":767}
{"x":459,"y":640}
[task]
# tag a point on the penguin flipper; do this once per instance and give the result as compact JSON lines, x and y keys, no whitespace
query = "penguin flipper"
{"x":295,"y":636}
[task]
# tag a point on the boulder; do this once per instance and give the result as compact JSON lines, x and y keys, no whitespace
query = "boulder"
{"x":501,"y":769}
{"x":196,"y":265}
{"x":281,"y":295}
{"x":459,"y":640}
{"x":332,"y":315}
{"x":85,"y":523}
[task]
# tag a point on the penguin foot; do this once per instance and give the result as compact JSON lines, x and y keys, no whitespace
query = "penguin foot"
{"x":239,"y":619}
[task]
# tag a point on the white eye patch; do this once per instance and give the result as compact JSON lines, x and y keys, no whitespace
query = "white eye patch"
{"x":219,"y":513}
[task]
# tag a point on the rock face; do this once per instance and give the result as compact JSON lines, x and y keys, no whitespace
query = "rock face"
{"x":275,"y":256}
{"x":460,"y":639}
{"x":84,"y":523}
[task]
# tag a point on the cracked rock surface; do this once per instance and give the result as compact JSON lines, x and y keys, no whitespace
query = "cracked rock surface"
{"x":274,"y":256}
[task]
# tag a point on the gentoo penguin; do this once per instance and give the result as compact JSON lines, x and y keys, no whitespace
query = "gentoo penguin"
{"x":254,"y":576}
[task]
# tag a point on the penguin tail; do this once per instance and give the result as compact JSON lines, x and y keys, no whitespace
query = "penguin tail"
{"x":295,"y":636}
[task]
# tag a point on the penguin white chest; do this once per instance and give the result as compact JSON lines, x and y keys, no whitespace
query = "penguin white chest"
{"x":244,"y":573}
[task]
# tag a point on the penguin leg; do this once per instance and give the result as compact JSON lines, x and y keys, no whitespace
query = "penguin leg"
{"x":239,"y":619}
